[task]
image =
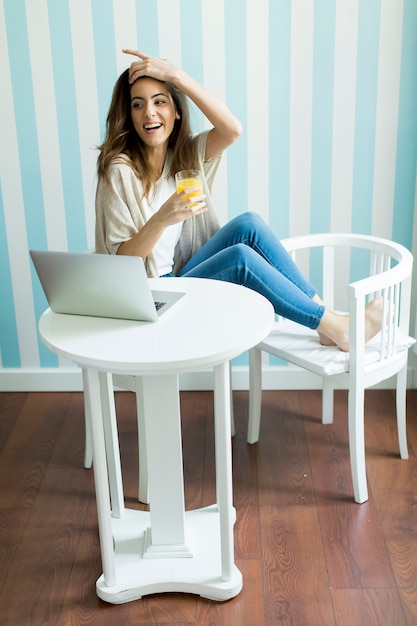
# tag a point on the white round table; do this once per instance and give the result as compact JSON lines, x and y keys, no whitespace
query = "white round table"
{"x":167,"y":548}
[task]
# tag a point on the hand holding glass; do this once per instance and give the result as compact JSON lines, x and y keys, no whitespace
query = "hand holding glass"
{"x":189,"y":179}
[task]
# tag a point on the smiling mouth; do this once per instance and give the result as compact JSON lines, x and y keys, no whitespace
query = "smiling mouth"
{"x":154,"y":126}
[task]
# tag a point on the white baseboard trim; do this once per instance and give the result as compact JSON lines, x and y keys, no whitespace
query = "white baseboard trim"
{"x":273,"y":378}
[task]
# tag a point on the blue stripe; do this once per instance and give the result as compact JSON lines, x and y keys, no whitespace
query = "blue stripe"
{"x":192,"y":51}
{"x":46,"y":357}
{"x":323,"y":86}
{"x":147,"y":27}
{"x":236,"y":99}
{"x":66,"y":105}
{"x":279,"y":116}
{"x":9,"y":344}
{"x":406,"y":158}
{"x":24,"y":108}
{"x":104,"y":48}
{"x":365,"y":120}
{"x":27,"y":140}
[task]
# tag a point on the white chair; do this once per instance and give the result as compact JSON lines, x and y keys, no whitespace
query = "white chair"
{"x":386,"y":270}
{"x":134,"y":384}
{"x":127,"y":383}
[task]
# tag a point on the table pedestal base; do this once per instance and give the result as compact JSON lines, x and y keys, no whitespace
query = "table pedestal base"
{"x":194,"y":568}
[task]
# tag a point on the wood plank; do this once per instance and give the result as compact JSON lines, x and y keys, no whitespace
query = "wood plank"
{"x":296,"y":586}
{"x":45,"y":556}
{"x":245,"y":486}
{"x":48,"y":434}
{"x":409,"y":605}
{"x":169,"y":608}
{"x":12,"y":525}
{"x":412,"y":418}
{"x":372,"y":607}
{"x":127,"y":425}
{"x":394,"y":488}
{"x":284,"y":475}
{"x":29,"y":448}
{"x":354,"y":545}
{"x":10,"y":407}
{"x":198,"y":443}
{"x":403,"y":554}
{"x":245,"y":608}
{"x":81,"y":606}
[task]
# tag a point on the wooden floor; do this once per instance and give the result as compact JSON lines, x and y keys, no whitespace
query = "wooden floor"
{"x":308,"y":554}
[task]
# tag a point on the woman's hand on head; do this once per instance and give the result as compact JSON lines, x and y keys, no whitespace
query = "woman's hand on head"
{"x":160,"y":69}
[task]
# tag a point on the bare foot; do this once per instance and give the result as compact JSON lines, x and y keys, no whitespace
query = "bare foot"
{"x":334,"y":328}
{"x":325,"y":341}
{"x":373,"y":318}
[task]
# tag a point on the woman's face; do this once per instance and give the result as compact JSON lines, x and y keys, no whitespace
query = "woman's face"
{"x":153,"y":111}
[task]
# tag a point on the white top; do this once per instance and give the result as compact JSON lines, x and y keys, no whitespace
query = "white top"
{"x":215,"y":322}
{"x":164,"y":248}
{"x":120,"y":212}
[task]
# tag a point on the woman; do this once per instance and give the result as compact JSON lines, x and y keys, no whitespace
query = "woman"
{"x":138,"y":211}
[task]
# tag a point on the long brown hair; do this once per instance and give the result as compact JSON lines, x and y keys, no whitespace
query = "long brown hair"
{"x":122,"y":139}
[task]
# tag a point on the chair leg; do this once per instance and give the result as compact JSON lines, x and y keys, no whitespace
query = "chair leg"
{"x":232,"y":413}
{"x":401,"y":412}
{"x":255,"y":394}
{"x":143,"y":490}
{"x":327,"y":401}
{"x":134,"y":384}
{"x":357,"y":442}
{"x":112,"y":444}
{"x":88,"y":450}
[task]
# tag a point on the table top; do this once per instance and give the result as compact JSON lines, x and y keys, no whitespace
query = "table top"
{"x":215,"y":322}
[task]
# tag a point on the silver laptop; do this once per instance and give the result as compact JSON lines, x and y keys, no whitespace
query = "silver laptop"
{"x":100,"y":285}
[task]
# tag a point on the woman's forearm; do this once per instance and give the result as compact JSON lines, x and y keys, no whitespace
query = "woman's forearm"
{"x":142,"y":243}
{"x":215,"y":110}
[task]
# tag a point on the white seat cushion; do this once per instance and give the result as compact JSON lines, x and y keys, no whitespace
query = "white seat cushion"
{"x":299,"y":345}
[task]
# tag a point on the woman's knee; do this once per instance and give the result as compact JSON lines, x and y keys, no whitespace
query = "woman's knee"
{"x":240,"y":254}
{"x":251,"y":218}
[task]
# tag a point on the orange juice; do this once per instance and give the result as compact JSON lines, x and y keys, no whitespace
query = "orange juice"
{"x":182,"y":185}
{"x":187,"y":180}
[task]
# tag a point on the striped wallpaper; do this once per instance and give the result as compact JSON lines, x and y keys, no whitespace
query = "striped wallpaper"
{"x":326,"y":90}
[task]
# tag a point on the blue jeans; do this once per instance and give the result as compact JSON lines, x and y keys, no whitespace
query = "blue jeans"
{"x":246,"y":251}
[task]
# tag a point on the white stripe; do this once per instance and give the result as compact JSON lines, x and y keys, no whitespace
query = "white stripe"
{"x":413,"y":319}
{"x":257,"y":63}
{"x":213,"y":47}
{"x":125,"y":35}
{"x":389,"y":64}
{"x":346,"y":37}
{"x":47,"y":124}
{"x":344,"y":114}
{"x":215,"y":80}
{"x":169,"y":22}
{"x":87,"y":105}
{"x":302,"y":22}
{"x":14,"y":215}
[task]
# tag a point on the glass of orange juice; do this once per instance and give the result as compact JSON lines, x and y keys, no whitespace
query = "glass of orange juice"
{"x":188,"y":179}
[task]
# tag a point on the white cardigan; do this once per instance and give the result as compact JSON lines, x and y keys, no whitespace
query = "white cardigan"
{"x":120,"y":213}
